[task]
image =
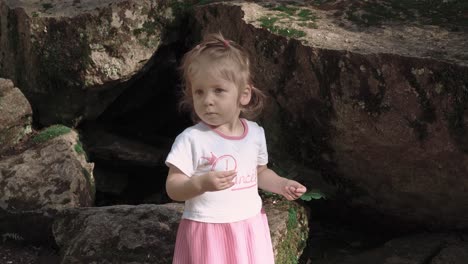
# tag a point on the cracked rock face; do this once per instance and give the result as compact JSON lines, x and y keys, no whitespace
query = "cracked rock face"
{"x":79,"y":51}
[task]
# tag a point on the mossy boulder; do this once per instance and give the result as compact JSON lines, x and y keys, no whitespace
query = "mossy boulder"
{"x":289,"y":227}
{"x":40,"y":181}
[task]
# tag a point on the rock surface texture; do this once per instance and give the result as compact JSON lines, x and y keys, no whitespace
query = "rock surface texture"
{"x":82,"y":52}
{"x":388,"y":125}
{"x":147,"y":233}
{"x":40,"y":181}
{"x":15,"y":115}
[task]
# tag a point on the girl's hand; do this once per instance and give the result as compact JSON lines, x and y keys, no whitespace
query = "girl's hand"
{"x":217,"y":180}
{"x":293,"y":190}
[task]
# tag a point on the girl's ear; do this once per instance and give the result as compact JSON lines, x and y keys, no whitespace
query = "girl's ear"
{"x":245,"y":95}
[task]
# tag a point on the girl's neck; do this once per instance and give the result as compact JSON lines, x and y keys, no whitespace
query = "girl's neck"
{"x":236,"y":130}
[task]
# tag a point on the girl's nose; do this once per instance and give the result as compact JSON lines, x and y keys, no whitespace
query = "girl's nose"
{"x":209,"y":99}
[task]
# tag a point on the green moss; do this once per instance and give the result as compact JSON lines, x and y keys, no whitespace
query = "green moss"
{"x":292,"y":219}
{"x":306,"y":15}
{"x":287,"y":16}
{"x":50,"y":133}
{"x":295,"y":240}
{"x":149,"y":29}
{"x":291,"y":32}
{"x":290,"y":10}
{"x":79,"y":148}
{"x":269,"y":23}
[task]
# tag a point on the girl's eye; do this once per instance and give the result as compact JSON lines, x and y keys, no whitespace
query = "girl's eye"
{"x":198,"y":92}
{"x":219,"y":90}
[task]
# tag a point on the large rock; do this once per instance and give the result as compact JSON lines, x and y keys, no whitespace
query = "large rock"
{"x":386,"y":126}
{"x":147,"y":233}
{"x":118,"y":234}
{"x":40,"y":181}
{"x":15,"y":115}
{"x":81,"y":52}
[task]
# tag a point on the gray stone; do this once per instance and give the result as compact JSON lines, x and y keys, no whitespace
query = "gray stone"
{"x":121,"y":233}
{"x":15,"y":115}
{"x":40,"y":181}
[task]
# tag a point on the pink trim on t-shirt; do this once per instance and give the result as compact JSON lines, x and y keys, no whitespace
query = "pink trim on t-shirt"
{"x":244,"y":124}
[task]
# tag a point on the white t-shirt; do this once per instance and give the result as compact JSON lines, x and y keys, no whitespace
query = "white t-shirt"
{"x":200,"y":149}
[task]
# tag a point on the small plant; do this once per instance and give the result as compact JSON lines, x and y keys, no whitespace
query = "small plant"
{"x":79,"y":148}
{"x":312,"y":194}
{"x":50,"y":133}
{"x":268,"y":21}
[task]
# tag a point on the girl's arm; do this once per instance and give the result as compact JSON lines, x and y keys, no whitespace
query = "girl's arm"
{"x":268,"y":180}
{"x":180,"y":187}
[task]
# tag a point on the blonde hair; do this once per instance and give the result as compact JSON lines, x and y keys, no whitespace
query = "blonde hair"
{"x":229,"y":61}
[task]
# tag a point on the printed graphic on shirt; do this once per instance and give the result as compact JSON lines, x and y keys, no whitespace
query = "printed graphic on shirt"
{"x":223,"y":163}
{"x":243,"y":180}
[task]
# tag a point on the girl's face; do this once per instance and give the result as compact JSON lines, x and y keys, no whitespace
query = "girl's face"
{"x":216,"y":100}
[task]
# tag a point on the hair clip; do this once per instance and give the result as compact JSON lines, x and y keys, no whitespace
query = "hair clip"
{"x":226,"y":43}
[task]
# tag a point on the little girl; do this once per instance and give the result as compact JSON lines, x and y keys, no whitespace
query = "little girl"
{"x":217,"y":165}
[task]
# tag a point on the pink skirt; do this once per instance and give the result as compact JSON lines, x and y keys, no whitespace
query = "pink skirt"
{"x":243,"y":242}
